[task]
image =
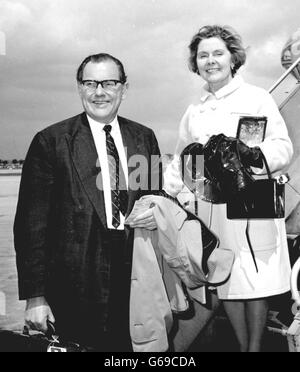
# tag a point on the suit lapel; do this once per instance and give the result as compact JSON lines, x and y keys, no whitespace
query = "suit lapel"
{"x":133,"y":143}
{"x":85,"y":159}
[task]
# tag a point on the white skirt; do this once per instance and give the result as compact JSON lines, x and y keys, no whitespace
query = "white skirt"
{"x":269,"y":243}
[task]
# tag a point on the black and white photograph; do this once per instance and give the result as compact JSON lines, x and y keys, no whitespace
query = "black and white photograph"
{"x":149,"y":178}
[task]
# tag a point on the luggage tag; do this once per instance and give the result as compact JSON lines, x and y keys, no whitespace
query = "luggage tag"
{"x":54,"y":346}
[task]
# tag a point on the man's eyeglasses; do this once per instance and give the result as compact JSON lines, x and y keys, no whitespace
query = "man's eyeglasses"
{"x":109,"y":85}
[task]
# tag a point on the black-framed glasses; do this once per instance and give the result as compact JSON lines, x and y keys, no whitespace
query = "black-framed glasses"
{"x":109,"y":85}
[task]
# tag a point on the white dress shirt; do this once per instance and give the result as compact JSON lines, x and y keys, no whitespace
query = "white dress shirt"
{"x":100,"y":142}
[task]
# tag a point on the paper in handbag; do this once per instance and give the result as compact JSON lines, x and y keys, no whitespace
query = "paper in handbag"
{"x":252,"y":129}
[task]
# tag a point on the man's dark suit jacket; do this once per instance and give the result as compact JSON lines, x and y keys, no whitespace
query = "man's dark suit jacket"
{"x":60,"y":226}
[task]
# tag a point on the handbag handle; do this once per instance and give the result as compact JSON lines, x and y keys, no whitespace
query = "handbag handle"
{"x":263,"y":159}
{"x":266,"y":165}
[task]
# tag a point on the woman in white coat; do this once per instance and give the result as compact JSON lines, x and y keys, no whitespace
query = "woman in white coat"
{"x":216,"y":53}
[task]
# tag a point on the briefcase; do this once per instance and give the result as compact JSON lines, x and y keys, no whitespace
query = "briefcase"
{"x":262,"y":199}
{"x":26,"y":342}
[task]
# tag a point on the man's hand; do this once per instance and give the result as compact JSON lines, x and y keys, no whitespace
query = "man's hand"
{"x":145,"y":221}
{"x":37,"y":313}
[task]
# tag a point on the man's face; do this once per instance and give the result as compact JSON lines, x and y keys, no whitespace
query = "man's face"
{"x":102,"y":104}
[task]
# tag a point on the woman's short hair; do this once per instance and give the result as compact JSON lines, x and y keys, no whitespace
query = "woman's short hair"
{"x":230,"y":37}
{"x":101,"y":57}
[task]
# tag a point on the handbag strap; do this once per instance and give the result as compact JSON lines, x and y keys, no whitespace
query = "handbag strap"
{"x":212,"y":239}
{"x":250,"y":244}
{"x":266,"y":164}
{"x":248,"y":222}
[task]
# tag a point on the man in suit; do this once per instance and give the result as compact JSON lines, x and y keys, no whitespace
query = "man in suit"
{"x":73,"y":249}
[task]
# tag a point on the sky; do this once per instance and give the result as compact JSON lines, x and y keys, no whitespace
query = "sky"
{"x":42,"y":42}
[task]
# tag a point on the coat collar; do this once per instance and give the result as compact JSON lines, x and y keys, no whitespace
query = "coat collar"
{"x":232,"y":86}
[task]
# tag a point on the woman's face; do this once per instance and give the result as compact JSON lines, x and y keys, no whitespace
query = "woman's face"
{"x":214,"y":63}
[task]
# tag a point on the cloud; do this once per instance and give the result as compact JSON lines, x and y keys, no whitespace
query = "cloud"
{"x":21,"y":14}
{"x":2,"y":43}
{"x":47,"y":40}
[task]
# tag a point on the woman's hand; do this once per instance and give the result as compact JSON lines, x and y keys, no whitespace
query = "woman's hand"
{"x":250,"y":156}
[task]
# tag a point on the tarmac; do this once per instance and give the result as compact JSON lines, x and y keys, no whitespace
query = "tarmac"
{"x":11,"y":309}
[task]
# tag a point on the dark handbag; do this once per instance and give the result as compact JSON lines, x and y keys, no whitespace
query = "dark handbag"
{"x":261,"y":199}
{"x":13,"y":341}
{"x":195,"y":174}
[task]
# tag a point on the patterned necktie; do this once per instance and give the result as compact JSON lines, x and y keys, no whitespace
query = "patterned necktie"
{"x":119,"y":195}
